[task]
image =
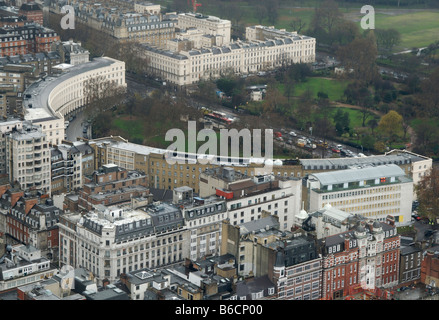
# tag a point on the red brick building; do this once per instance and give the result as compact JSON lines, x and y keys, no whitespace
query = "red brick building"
{"x":12,"y":44}
{"x":44,"y":39}
{"x":32,"y":12}
{"x":110,"y":185}
{"x":29,"y":38}
{"x":366,"y":257}
{"x":13,"y":21}
{"x":32,"y":220}
{"x":430,"y":268}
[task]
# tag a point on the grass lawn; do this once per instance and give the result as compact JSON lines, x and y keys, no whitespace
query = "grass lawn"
{"x":132,"y":128}
{"x":355,"y":117}
{"x":332,"y":87}
{"x":285,"y":16}
{"x":416,"y":123}
{"x":418,"y":29}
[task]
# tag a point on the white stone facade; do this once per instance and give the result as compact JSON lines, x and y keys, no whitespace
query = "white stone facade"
{"x":283,"y":202}
{"x":373,"y":192}
{"x":28,"y":159}
{"x":242,"y":57}
{"x":207,"y":24}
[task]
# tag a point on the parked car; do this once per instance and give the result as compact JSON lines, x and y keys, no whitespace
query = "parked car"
{"x":428,"y":233}
{"x":292,"y":133}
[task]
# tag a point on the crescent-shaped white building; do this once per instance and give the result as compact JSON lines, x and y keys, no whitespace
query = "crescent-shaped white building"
{"x":45,"y":104}
{"x":47,"y":101}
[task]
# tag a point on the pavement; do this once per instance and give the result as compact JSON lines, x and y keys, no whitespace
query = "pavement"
{"x":417,"y":291}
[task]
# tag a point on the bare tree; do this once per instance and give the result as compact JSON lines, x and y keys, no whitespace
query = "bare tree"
{"x":260,"y":13}
{"x":359,"y":60}
{"x":327,"y":16}
{"x":427,"y":191}
{"x":100,"y":94}
{"x":297,"y":24}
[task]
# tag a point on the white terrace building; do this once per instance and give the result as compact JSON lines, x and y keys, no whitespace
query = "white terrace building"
{"x":47,"y":101}
{"x":207,"y":24}
{"x":373,"y":192}
{"x":244,"y":57}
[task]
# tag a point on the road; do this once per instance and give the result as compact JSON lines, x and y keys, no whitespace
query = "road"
{"x":76,"y":126}
{"x":134,"y":87}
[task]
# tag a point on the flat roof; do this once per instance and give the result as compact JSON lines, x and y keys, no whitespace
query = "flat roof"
{"x":351,"y":175}
{"x":340,"y":163}
{"x":334,"y":213}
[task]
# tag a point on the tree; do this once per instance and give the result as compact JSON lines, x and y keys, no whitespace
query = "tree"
{"x":235,"y":13}
{"x":297,"y":24}
{"x":357,"y":93}
{"x":323,"y":103}
{"x":298,"y":71}
{"x":345,"y":32}
{"x":100,"y":95}
{"x":272,"y":11}
{"x":368,"y":142}
{"x":373,"y":124}
{"x":359,"y":60}
{"x":427,"y":137}
{"x":304,"y":108}
{"x":342,"y":121}
{"x":274,"y":100}
{"x":180,"y":5}
{"x":427,"y":192}
{"x":390,"y":125}
{"x":387,"y":38}
{"x":326,"y":16}
{"x":288,"y":87}
{"x":260,"y":13}
{"x":226,"y":85}
{"x":323,"y":127}
{"x":412,"y":83}
{"x":429,"y":95}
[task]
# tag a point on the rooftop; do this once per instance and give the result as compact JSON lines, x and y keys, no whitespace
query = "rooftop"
{"x":345,"y":163}
{"x":37,"y":95}
{"x":263,"y":224}
{"x":358,"y":174}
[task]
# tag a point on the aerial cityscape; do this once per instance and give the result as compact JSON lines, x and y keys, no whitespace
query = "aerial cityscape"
{"x":219,"y":150}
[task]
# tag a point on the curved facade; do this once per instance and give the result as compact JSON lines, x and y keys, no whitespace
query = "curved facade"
{"x":52,"y":98}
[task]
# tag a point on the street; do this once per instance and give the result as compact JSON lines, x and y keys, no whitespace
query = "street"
{"x":76,"y":126}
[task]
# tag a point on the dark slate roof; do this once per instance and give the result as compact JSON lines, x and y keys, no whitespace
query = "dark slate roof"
{"x":406,"y":250}
{"x":161,"y":194}
{"x":246,"y":288}
{"x":30,"y":6}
